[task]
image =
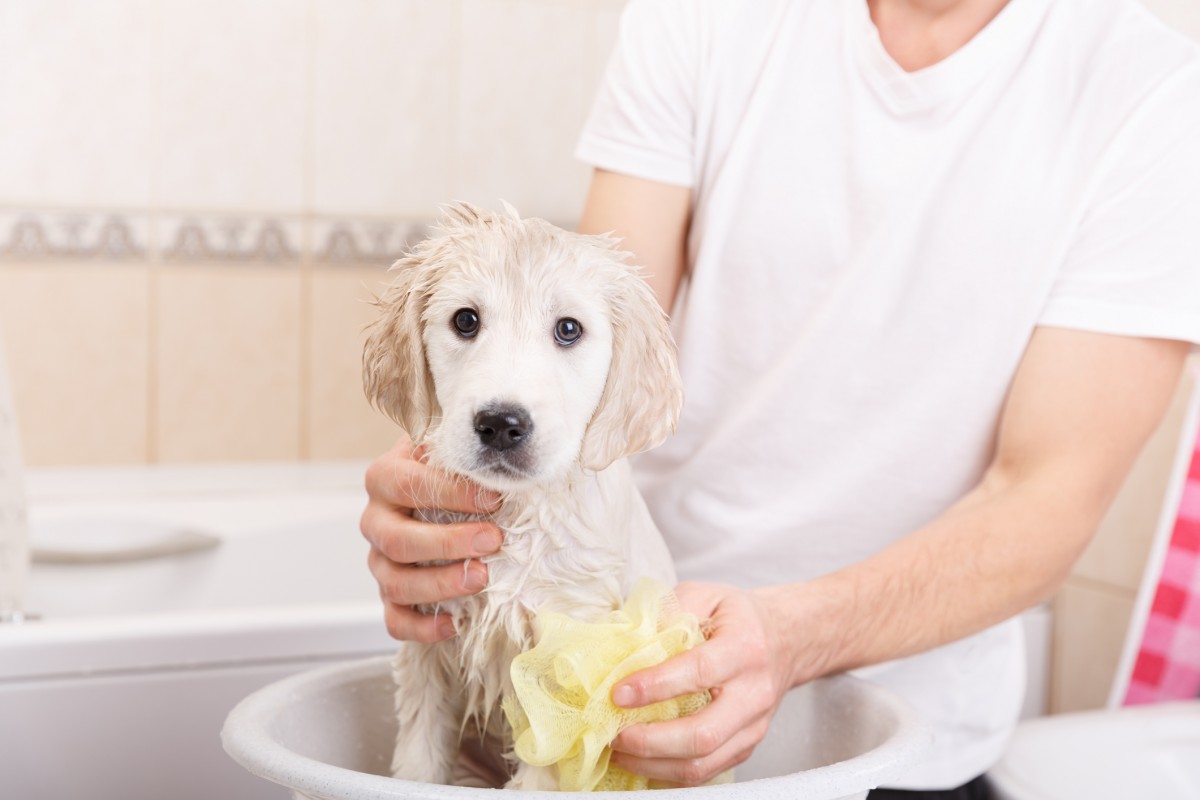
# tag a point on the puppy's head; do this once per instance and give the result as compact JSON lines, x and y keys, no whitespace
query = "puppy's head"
{"x":516,"y":349}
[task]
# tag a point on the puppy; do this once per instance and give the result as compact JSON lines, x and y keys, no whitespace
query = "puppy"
{"x":532,"y":361}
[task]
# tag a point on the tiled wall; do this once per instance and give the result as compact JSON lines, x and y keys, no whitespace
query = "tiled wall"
{"x":197,"y":197}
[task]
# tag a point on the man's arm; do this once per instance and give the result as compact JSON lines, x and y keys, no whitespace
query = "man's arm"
{"x":1079,"y":410}
{"x":651,"y":219}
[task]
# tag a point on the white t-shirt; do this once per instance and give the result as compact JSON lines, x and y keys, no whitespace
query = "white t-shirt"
{"x":870,"y":252}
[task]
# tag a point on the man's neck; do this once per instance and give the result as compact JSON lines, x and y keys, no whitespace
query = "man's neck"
{"x":919,"y":33}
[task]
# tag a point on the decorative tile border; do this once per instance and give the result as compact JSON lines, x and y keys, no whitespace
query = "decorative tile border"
{"x":233,"y":239}
{"x":73,"y":236}
{"x":364,"y":242}
{"x":67,"y":235}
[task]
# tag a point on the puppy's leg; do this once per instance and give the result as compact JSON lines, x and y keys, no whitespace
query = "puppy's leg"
{"x":534,"y":779}
{"x":428,"y":712}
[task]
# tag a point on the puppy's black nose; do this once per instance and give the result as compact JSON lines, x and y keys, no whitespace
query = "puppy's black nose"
{"x":503,"y":428}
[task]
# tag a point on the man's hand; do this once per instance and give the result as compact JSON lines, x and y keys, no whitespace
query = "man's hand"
{"x":746,"y":665}
{"x":398,"y":483}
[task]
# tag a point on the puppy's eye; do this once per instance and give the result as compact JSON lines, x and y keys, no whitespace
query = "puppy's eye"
{"x":567,"y":331}
{"x":466,"y":322}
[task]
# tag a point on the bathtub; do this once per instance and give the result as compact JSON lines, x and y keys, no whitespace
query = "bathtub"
{"x":164,"y":596}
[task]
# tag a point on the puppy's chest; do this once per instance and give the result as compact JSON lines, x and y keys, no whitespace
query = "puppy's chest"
{"x":537,"y":569}
{"x":578,"y":581}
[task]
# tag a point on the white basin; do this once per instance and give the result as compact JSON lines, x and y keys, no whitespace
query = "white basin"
{"x":328,"y":734}
{"x":1137,"y":752}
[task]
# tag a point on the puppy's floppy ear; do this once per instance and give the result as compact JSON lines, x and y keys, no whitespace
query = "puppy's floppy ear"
{"x":644,"y":394}
{"x":396,"y":376}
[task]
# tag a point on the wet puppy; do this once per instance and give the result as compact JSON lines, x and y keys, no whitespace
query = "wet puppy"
{"x":532,"y":361}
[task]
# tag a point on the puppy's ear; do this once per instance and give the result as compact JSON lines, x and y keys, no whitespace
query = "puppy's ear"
{"x":644,"y":394}
{"x":396,"y":375}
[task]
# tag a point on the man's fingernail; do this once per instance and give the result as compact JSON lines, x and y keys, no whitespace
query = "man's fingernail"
{"x":474,"y":580}
{"x":488,"y":501}
{"x":445,"y":628}
{"x":485,"y":543}
{"x":623,"y":696}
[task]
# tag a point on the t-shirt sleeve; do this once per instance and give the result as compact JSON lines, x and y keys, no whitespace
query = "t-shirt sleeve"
{"x":1133,"y":267}
{"x":643,"y":120}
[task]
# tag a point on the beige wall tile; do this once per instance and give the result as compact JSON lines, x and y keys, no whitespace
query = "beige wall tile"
{"x":606,"y":24}
{"x":75,"y":102}
{"x":1118,"y":553}
{"x":1182,"y":15}
{"x":230,"y":104}
{"x":228,"y":363}
{"x":528,"y":71}
{"x":1090,"y":621}
{"x":383,"y":98}
{"x":341,"y":423}
{"x":76,"y":337}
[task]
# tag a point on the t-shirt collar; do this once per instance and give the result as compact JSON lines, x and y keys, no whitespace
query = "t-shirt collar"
{"x":999,"y":45}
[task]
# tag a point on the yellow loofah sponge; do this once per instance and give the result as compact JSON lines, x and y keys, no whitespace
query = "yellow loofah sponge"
{"x":561,"y":710}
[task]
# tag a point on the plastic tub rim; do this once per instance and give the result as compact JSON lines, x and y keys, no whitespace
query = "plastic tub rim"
{"x":247,"y":741}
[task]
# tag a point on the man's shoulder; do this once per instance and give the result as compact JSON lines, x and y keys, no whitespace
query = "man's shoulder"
{"x":1130,"y":85}
{"x":1122,"y":49}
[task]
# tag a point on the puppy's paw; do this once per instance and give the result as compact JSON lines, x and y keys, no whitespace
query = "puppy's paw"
{"x":411,"y":764}
{"x":534,"y":779}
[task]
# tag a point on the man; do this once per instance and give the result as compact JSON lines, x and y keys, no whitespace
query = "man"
{"x":933,"y":266}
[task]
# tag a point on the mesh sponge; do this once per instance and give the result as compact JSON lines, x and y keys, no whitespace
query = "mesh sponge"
{"x":560,"y":707}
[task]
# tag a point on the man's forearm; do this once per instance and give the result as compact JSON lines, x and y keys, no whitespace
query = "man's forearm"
{"x":1005,"y":546}
{"x":1078,"y":412}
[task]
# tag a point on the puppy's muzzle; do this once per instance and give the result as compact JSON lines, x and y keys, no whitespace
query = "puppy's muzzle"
{"x":503,"y":428}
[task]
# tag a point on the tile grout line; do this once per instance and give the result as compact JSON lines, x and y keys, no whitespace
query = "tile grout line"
{"x":307,"y":244}
{"x":454,"y":177}
{"x":154,"y":255}
{"x":1099,"y":585}
{"x":206,"y":213}
{"x":153,"y":357}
